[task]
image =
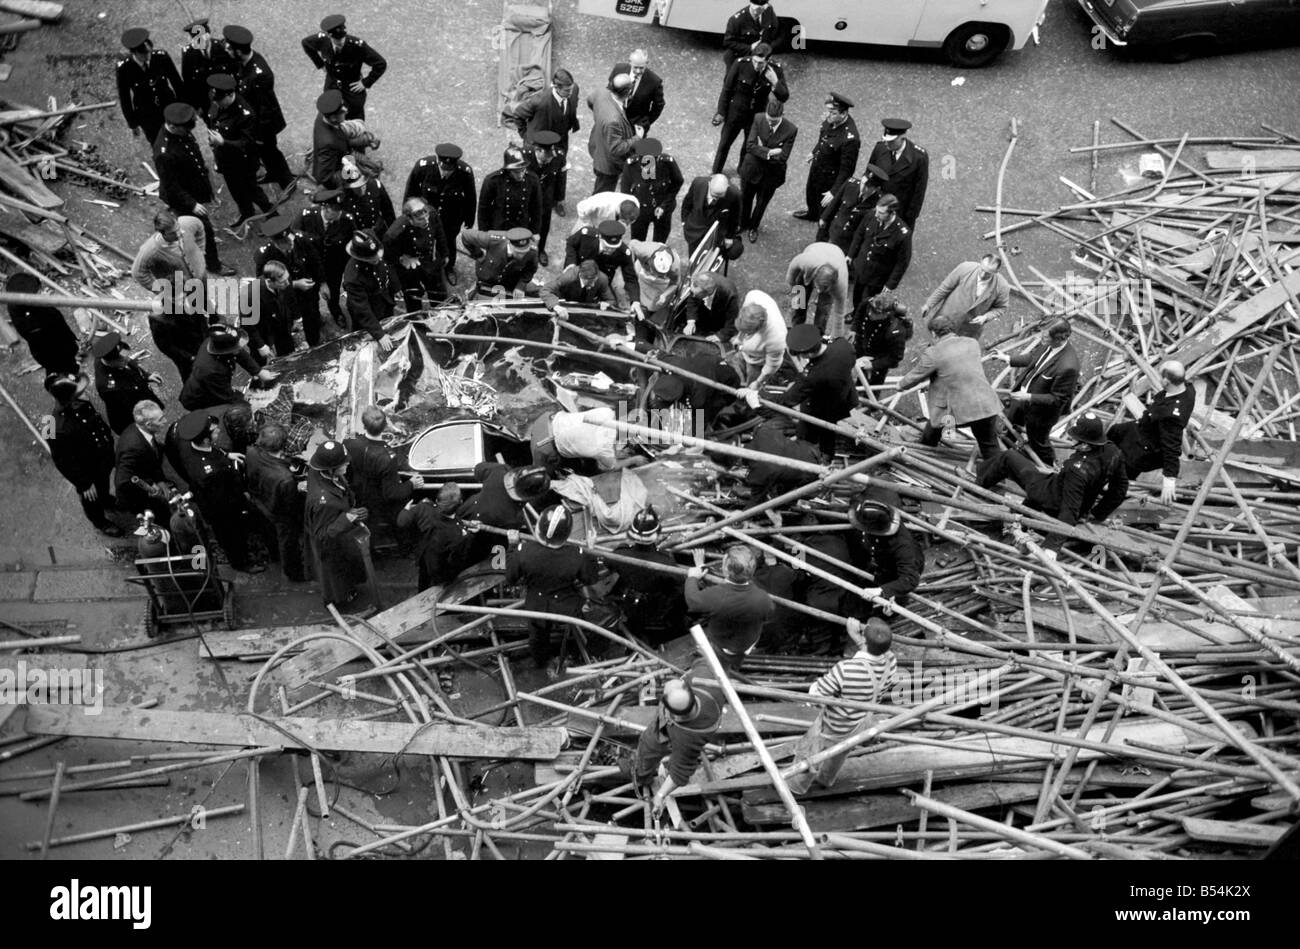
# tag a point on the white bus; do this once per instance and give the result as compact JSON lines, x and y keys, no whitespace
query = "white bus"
{"x":972,"y":33}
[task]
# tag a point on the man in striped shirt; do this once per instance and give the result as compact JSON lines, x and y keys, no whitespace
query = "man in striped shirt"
{"x":866,"y":676}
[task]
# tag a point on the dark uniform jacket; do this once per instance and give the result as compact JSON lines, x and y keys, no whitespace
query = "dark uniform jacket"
{"x":553,"y":577}
{"x":182,"y":173}
{"x":210,"y":380}
{"x":120,"y":388}
{"x":302,"y":259}
{"x":453,"y":196}
{"x":369,"y":206}
{"x":327,"y":239}
{"x":698,"y":215}
{"x":548,"y":179}
{"x":196,"y":67}
{"x":497,"y":267}
{"x":881,"y":253}
{"x":372,"y":473}
{"x":743,"y":31}
{"x":1051,"y":384}
{"x":444,"y":548}
{"x":755,"y":166}
{"x":428,"y":245}
{"x":372,"y":289}
{"x":699,"y":397}
{"x":272,"y":484}
{"x":136,"y":456}
{"x":505,"y":203}
{"x":909,"y":173}
{"x":329,"y":146}
{"x":653,"y":602}
{"x":343,"y":66}
{"x":895,"y":561}
{"x":835,"y":156}
{"x":659,"y":190}
{"x":853,"y":201}
{"x":237,"y":124}
{"x":826,"y":389}
{"x":885,"y":341}
{"x":144,"y":91}
{"x":775,"y":437}
{"x":493,"y":505}
{"x":216,"y":481}
{"x":646,"y":103}
{"x":257,"y":87}
{"x":542,"y":112}
{"x":48,"y":336}
{"x":1092,"y":483}
{"x":745,"y":91}
{"x":1156,"y":439}
{"x":82,"y":447}
{"x":718,"y":318}
{"x":584,"y":244}
{"x":335,"y":541}
{"x":734,"y":614}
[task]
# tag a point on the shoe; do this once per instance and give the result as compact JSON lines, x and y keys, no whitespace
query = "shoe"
{"x":802,"y":215}
{"x":753,"y":235}
{"x":238,"y":222}
{"x":221,"y":270}
{"x":452,"y":278}
{"x":544,"y":258}
{"x":559,"y":210}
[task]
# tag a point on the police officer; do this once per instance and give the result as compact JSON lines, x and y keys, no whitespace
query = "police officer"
{"x":218,"y":487}
{"x":328,"y":228}
{"x":209,"y":382}
{"x":445,"y":546}
{"x":553,"y":109}
{"x":824,"y":388}
{"x":885,"y":546}
{"x":547,"y":164}
{"x":906,"y":166}
{"x":654,"y":606}
{"x":52,"y":343}
{"x":372,"y":471}
{"x":183,"y":182}
{"x":555,"y":577}
{"x":301,"y":259}
{"x":446,"y":181}
{"x":120,"y":381}
{"x":232,"y":133}
{"x":342,"y":57}
{"x":371,"y":287}
{"x":505,"y":263}
{"x":365,"y":198}
{"x":505,"y":495}
{"x":1091,"y":483}
{"x":279,"y":495}
{"x":852,"y":202}
{"x":417,"y":245}
{"x":880,"y":252}
{"x":702,"y":403}
{"x":336,"y":530}
{"x":752,"y":24}
{"x":329,"y":143}
{"x":881,"y":330}
{"x":604,"y":244}
{"x":745,"y":92}
{"x":257,"y":88}
{"x":1156,"y":439}
{"x":833,"y":158}
{"x":81,"y":446}
{"x":511,"y":196}
{"x":147,"y":82}
{"x":654,"y":179}
{"x":200,"y":58}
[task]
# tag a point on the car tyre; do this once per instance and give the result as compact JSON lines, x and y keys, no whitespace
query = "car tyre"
{"x":975,"y":45}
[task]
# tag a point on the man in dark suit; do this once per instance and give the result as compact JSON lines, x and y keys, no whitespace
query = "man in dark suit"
{"x":446,"y":181}
{"x":257,"y":86}
{"x":342,"y":57}
{"x":833,"y":158}
{"x":551,"y":110}
{"x":645,"y":100}
{"x":709,"y":199}
{"x":583,"y":284}
{"x":372,"y":471}
{"x":139,"y":481}
{"x":301,"y":257}
{"x":147,"y":82}
{"x":763,"y":167}
{"x":752,"y":24}
{"x":1044,"y":387}
{"x":749,"y":84}
{"x":712,"y":306}
{"x":907,"y":166}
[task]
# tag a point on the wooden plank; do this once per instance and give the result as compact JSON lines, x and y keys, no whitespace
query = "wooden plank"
{"x":730,"y":724}
{"x":886,"y":810}
{"x":1237,"y":320}
{"x":1251,"y":160}
{"x":41,"y":9}
{"x":320,"y":659}
{"x":33,"y":235}
{"x":967,"y":758}
{"x":19,"y":180}
{"x":240,"y":730}
{"x":241,"y":643}
{"x":1233,"y":832}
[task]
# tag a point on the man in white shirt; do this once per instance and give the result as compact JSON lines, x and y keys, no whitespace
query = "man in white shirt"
{"x":566,"y":440}
{"x":607,"y":206}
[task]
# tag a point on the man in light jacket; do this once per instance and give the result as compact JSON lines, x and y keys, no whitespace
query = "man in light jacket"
{"x":958,"y":388}
{"x":819,"y":285}
{"x":972,"y":295}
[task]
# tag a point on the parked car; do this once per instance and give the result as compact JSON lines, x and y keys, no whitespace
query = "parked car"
{"x":1181,"y":29}
{"x":971,"y":33}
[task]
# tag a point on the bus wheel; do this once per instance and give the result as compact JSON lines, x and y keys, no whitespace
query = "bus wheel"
{"x":973,"y":45}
